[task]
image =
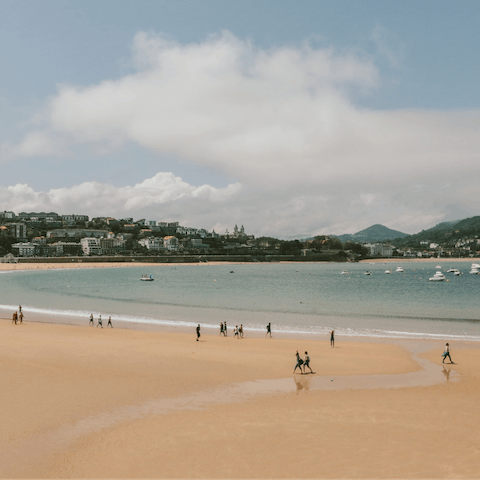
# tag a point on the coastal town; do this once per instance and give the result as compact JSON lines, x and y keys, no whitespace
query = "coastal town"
{"x":39,"y":235}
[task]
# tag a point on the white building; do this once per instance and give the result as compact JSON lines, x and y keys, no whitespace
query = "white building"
{"x":378,"y":249}
{"x":25,"y":249}
{"x":171,"y":243}
{"x":91,"y":246}
{"x":152,"y":243}
{"x":72,"y":219}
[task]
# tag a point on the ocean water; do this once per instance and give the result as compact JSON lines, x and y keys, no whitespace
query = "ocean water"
{"x":308,"y":299}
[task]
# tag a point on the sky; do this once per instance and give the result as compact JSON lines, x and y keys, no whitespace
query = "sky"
{"x":292,"y":118}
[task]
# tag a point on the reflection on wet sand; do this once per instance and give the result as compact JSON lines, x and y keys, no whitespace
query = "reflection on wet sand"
{"x":302,"y":384}
{"x":446,"y":372}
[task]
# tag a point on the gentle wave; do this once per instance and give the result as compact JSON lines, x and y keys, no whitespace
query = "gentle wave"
{"x":283,"y":329}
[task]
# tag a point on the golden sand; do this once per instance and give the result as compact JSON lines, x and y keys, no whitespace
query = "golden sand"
{"x":83,"y":402}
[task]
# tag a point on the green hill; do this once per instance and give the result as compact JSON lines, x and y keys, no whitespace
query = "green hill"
{"x":448,"y":232}
{"x":375,"y":233}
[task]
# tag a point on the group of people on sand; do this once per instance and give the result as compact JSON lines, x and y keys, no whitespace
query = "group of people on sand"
{"x":17,"y":317}
{"x":99,"y":321}
{"x":237,"y":331}
{"x":302,"y":362}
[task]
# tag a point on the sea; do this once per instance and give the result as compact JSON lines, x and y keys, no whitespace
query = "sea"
{"x":307,"y":299}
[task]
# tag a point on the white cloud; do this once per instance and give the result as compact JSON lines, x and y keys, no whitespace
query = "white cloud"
{"x":103,"y":199}
{"x":281,"y":121}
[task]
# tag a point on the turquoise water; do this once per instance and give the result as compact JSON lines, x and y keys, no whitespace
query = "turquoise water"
{"x":296,"y":298}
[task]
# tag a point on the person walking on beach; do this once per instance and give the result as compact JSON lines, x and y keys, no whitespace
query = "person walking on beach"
{"x":332,"y":338}
{"x":109,"y":322}
{"x":198,"y":332}
{"x":306,"y":362}
{"x":299,"y":363}
{"x":225,"y":333}
{"x":91,"y":320}
{"x":446,"y":353}
{"x":269,"y":330}
{"x":221,"y":328}
{"x":20,"y":316}
{"x":99,"y":322}
{"x":240,"y":331}
{"x":14,"y":318}
{"x":235,"y":332}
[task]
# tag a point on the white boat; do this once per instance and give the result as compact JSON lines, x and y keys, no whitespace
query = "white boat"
{"x":474,"y":271}
{"x":368,"y":272}
{"x":456,"y":272}
{"x":475,"y":265}
{"x":388,"y":271}
{"x":399,"y":269}
{"x":437,"y":277}
{"x":450,"y":270}
{"x":147,"y":278}
{"x":438,"y":266}
{"x":343,"y":272}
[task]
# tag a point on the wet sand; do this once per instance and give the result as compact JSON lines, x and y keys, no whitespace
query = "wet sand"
{"x":85,"y":402}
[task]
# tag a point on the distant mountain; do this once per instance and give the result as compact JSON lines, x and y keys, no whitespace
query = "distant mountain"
{"x":375,"y":233}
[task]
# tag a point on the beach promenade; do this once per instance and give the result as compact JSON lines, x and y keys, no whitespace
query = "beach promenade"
{"x":82,"y":402}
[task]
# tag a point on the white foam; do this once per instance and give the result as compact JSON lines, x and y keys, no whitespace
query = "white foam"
{"x":284,"y":329}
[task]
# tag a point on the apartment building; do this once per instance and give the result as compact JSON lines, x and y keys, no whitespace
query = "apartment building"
{"x":17,"y":230}
{"x":91,"y":246}
{"x":111,"y":245}
{"x":152,"y":243}
{"x":25,"y":249}
{"x":170,"y":243}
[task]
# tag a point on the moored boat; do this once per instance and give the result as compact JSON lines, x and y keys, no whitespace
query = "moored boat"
{"x":147,"y":278}
{"x":437,"y":277}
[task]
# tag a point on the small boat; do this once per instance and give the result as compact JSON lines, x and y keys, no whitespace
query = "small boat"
{"x":437,"y":277}
{"x":456,"y":272}
{"x":147,"y":278}
{"x":438,"y":266}
{"x":399,"y":269}
{"x":388,"y":271}
{"x":450,"y":270}
{"x":368,"y":272}
{"x":343,"y":272}
{"x":476,"y":265}
{"x":474,"y":271}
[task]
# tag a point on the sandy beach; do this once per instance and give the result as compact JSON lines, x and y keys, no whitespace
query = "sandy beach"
{"x":83,"y":402}
{"x":401,"y":260}
{"x":75,"y":265}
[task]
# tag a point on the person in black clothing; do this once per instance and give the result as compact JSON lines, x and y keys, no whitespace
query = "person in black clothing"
{"x":299,"y":363}
{"x":269,"y":330}
{"x":198,"y":332}
{"x":109,"y":322}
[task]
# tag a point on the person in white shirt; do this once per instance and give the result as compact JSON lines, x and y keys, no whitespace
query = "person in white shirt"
{"x":306,"y":363}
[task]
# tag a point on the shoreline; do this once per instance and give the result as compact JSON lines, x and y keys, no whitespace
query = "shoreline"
{"x":400,"y":260}
{"x":6,"y":267}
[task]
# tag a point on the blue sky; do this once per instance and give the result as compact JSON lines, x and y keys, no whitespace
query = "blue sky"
{"x":292,"y":118}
